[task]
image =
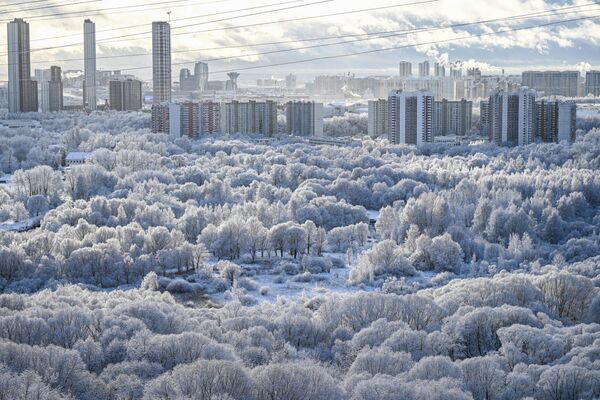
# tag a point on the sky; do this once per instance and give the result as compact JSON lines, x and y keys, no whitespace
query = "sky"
{"x":56,"y":29}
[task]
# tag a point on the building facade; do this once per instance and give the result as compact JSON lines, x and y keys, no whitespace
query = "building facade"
{"x":89,"y":65}
{"x":452,"y":117}
{"x":250,"y":117}
{"x":592,"y":83}
{"x":410,"y":117}
{"x":556,"y":121}
{"x":51,"y":94}
{"x":512,"y":117}
{"x":125,"y":95}
{"x":405,"y":69}
{"x":378,"y":118}
{"x":552,"y":83}
{"x":304,"y":118}
{"x":424,"y":69}
{"x":161,"y":62}
{"x":22,"y":90}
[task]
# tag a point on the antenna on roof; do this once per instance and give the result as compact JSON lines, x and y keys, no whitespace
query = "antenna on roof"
{"x":169,"y":14}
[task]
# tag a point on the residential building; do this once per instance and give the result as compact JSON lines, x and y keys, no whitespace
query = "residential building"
{"x":250,"y":117}
{"x":125,"y":95}
{"x":592,"y":83}
{"x":424,"y":69}
{"x":410,"y":117}
{"x":22,"y":90}
{"x":191,"y":119}
{"x":555,"y":121}
{"x":89,"y":65}
{"x":439,"y":70}
{"x":51,"y":93}
{"x":304,"y":118}
{"x":160,"y":118}
{"x":405,"y":69}
{"x":452,"y":117}
{"x":512,"y":117}
{"x":484,"y":117}
{"x":378,"y":118}
{"x":474,"y":73}
{"x":187,"y":81}
{"x":161,"y":62}
{"x":550,"y":83}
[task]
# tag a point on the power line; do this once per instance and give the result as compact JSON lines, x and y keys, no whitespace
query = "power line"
{"x":49,"y":6}
{"x":102,"y":11}
{"x":394,"y":47}
{"x":379,"y":35}
{"x":201,"y":23}
{"x":174,"y":19}
{"x":24,"y":3}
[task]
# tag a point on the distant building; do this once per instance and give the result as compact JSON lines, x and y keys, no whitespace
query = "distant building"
{"x":439,"y":70}
{"x":556,"y":121}
{"x":474,"y":73}
{"x":232,"y":84}
{"x":592,"y":83}
{"x":290,"y":81}
{"x":160,"y":118}
{"x":550,"y":83}
{"x":161,"y":62}
{"x":51,"y":94}
{"x":22,"y":90}
{"x":484,"y":120}
{"x":512,"y":117}
{"x":424,"y":69}
{"x":250,"y":117}
{"x":405,"y":69}
{"x":201,"y":75}
{"x":452,"y":117}
{"x":304,"y":118}
{"x":89,"y":48}
{"x":125,"y":95}
{"x":378,"y":118}
{"x":187,"y":82}
{"x":410,"y":117}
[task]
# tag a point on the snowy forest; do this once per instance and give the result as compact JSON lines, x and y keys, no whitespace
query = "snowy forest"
{"x":225,"y":268}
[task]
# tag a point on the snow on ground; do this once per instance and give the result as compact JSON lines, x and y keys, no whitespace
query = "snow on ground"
{"x":21,"y":226}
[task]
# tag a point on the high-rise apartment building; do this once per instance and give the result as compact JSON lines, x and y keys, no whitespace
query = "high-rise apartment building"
{"x":405,"y":69}
{"x":161,"y":62}
{"x":410,"y":117}
{"x":187,"y":81}
{"x":452,"y":117}
{"x":89,"y":65}
{"x":550,"y":83}
{"x":439,"y":71}
{"x":378,"y":118}
{"x":250,"y":117}
{"x":51,"y":93}
{"x":424,"y":69}
{"x":484,"y":117}
{"x":512,"y":117}
{"x":201,"y":75}
{"x":191,"y":119}
{"x":125,"y":95}
{"x":592,"y":83}
{"x":474,"y":73}
{"x":22,"y":90}
{"x":304,"y":118}
{"x":556,"y":121}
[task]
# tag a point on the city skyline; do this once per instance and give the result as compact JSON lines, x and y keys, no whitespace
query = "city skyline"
{"x":540,"y":48}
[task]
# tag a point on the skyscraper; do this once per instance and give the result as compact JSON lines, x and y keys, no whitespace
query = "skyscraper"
{"x":304,"y":118}
{"x":290,"y":81}
{"x":125,"y":95}
{"x":187,"y":81}
{"x":378,"y":118}
{"x":424,"y":69}
{"x":405,"y":69}
{"x":51,"y":93}
{"x":89,"y":65}
{"x":410,"y":116}
{"x":161,"y":61}
{"x":439,"y":70}
{"x":201,"y":75}
{"x":232,"y":82}
{"x":592,"y":83}
{"x":512,"y":117}
{"x":452,"y":117}
{"x":22,"y":90}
